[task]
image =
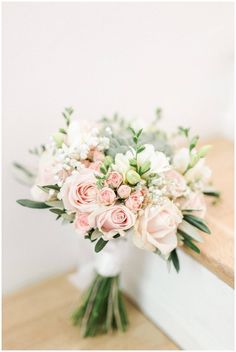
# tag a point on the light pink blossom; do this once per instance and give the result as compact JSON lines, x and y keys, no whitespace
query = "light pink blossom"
{"x":124,"y":191}
{"x":176,"y":184}
{"x":81,"y":223}
{"x":107,"y":196}
{"x":156,"y":228}
{"x":114,"y":179}
{"x":80,"y":192}
{"x":135,"y":200}
{"x":112,"y":220}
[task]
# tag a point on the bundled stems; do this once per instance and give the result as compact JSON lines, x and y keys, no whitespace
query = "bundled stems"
{"x":102,"y":309}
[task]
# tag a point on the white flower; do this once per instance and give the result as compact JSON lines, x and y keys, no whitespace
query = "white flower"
{"x":181,"y":160}
{"x":159,"y":161}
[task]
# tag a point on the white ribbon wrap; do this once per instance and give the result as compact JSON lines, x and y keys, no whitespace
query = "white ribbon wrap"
{"x":107,"y":263}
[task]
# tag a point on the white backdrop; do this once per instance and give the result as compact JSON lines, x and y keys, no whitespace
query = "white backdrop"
{"x":101,"y":58}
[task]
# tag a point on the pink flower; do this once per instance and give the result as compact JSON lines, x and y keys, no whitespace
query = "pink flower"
{"x":95,"y":165}
{"x":135,"y":200}
{"x":124,"y":191}
{"x":114,"y":179}
{"x":176,"y":184}
{"x":194,"y":201}
{"x":98,"y":156}
{"x":79,"y":192}
{"x":107,"y":196}
{"x":156,"y":228}
{"x":81,"y":223}
{"x":112,"y":220}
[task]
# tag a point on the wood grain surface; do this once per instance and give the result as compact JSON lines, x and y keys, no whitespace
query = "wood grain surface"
{"x":38,"y":318}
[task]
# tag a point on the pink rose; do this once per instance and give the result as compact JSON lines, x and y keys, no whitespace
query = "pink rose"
{"x":176,"y":184}
{"x":107,"y":196}
{"x":112,"y":220}
{"x":135,"y":200}
{"x":156,"y":228}
{"x":95,"y":165}
{"x":124,"y":191}
{"x":195,"y":201}
{"x":80,"y":192}
{"x":114,"y":179}
{"x":81,"y":223}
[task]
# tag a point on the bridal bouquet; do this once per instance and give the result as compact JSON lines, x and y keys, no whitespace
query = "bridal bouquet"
{"x":115,"y":183}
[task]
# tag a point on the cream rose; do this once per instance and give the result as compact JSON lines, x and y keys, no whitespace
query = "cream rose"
{"x":114,"y":179}
{"x":194,"y":201}
{"x":156,"y":228}
{"x":124,"y":191}
{"x":175,"y":183}
{"x":80,"y":192}
{"x":135,"y":200}
{"x":112,"y":220}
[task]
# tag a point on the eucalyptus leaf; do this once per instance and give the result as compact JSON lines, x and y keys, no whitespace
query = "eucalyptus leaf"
{"x":175,"y":260}
{"x":197,"y":222}
{"x":32,"y":204}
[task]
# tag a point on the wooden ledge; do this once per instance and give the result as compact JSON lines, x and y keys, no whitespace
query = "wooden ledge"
{"x":217,"y":251}
{"x":39,"y":318}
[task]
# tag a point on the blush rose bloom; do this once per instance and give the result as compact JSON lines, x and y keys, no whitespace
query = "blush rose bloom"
{"x":135,"y":200}
{"x":124,"y":191}
{"x":107,"y":196}
{"x":176,"y":184}
{"x":81,"y":223}
{"x":114,"y":179}
{"x":79,"y":192}
{"x":156,"y":228}
{"x":112,"y":220}
{"x":195,"y":201}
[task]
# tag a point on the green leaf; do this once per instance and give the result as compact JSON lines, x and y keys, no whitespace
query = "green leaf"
{"x":100,"y":245}
{"x":184,"y":131}
{"x":197,"y":222}
{"x":193,"y":143}
{"x":54,"y":187}
{"x":103,"y":169}
{"x":23,"y":169}
{"x":57,"y":211}
{"x":32,"y":204}
{"x":175,"y":259}
{"x":133,"y":162}
{"x":55,"y":203}
{"x":212,"y":194}
{"x":140,"y":149}
{"x":191,"y":245}
{"x":139,"y":132}
{"x":145,"y":167}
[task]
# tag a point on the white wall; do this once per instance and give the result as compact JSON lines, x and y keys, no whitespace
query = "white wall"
{"x":102,"y":58}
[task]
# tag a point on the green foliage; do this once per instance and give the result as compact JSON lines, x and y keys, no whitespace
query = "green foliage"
{"x":175,"y":260}
{"x":102,"y":309}
{"x":101,"y":243}
{"x":215,"y":194}
{"x":197,"y":222}
{"x":32,"y":204}
{"x":23,"y":169}
{"x":67,"y":115}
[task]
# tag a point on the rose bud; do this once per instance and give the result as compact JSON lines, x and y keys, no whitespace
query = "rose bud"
{"x":124,"y":191}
